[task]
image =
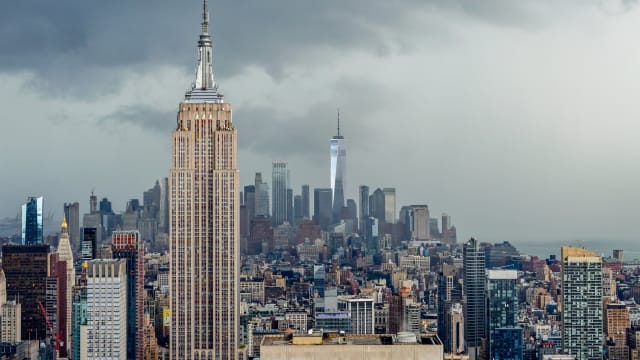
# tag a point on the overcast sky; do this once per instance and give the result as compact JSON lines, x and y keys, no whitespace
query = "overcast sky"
{"x":518,"y":118}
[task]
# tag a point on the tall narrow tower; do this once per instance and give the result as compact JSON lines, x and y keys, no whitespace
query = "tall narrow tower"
{"x":204,"y":220}
{"x":338,"y":153}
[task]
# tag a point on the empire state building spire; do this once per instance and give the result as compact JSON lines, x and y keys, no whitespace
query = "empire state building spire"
{"x":205,"y":89}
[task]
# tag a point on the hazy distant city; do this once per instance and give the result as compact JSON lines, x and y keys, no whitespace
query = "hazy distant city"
{"x":322,"y":214}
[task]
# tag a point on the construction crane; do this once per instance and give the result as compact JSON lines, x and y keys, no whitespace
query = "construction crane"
{"x":57,"y":342}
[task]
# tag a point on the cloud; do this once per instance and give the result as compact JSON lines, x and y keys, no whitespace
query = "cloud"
{"x":143,"y":116}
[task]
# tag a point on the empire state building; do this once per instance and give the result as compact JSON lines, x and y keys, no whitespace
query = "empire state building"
{"x":204,"y":219}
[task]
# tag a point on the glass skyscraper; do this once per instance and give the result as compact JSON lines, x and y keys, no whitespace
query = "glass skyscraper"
{"x":338,"y":152}
{"x":32,"y":224}
{"x":474,"y":290}
{"x":502,"y":297}
{"x":279,"y":186}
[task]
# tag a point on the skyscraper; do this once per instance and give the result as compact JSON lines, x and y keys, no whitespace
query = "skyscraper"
{"x":474,"y":291}
{"x":128,"y":246}
{"x":72,"y":215}
{"x":26,"y":268}
{"x":322,"y":207}
{"x":419,"y":222}
{"x":502,"y":296}
{"x":204,"y":211}
{"x":363,"y":199}
{"x":106,"y":311}
{"x":65,"y":254}
{"x":32,"y":224}
{"x":279,"y":185}
{"x":338,"y":153}
{"x":581,"y":303}
{"x":390,"y":205}
{"x":290,"y":206}
{"x":306,"y":213}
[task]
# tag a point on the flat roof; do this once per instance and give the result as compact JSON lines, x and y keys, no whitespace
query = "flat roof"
{"x":329,"y":339}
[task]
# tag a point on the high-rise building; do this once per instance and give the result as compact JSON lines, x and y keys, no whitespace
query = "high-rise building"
{"x":616,"y":323}
{"x":297,"y":209}
{"x":581,"y":303}
{"x":26,"y":268}
{"x":322,"y":207}
{"x":306,"y":212}
{"x":474,"y":291}
{"x":32,"y":223}
{"x":106,"y":327}
{"x":361,"y":310}
{"x":128,"y":246}
{"x":363,"y":200}
{"x":319,"y":280}
{"x":205,"y":226}
{"x":10,"y":316}
{"x":376,"y":204}
{"x":89,"y":248}
{"x":279,"y":185}
{"x":338,"y":154}
{"x":66,"y":254}
{"x":418,"y":222}
{"x":250,"y":201}
{"x":163,"y":216}
{"x":79,"y":313}
{"x":72,"y":214}
{"x":290,"y":206}
{"x":389,"y":205}
{"x":502,"y":297}
{"x":93,"y":219}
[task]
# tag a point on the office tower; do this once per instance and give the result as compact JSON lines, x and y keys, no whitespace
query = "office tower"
{"x":306,"y":212}
{"x":26,"y":268}
{"x":279,"y":186}
{"x":361,"y":310}
{"x":55,"y":302}
{"x":322,"y":208}
{"x":89,"y":246}
{"x":474,"y":288}
{"x":260,"y":209}
{"x":250,"y":201}
{"x":297,"y":209}
{"x":66,"y":254}
{"x":508,"y":344}
{"x":350,"y":213}
{"x":581,"y":303}
{"x":290,"y":206}
{"x":32,"y":224}
{"x":163,"y":216}
{"x":93,"y":219}
{"x":106,"y":327}
{"x":79,"y":313}
{"x":455,"y":328}
{"x":318,"y":280}
{"x":338,"y":153}
{"x":205,"y":220}
{"x":371,"y":229}
{"x":389,"y":205}
{"x":363,"y":200}
{"x":128,"y":246}
{"x":376,"y":204}
{"x":418,"y":222}
{"x":502,"y":297}
{"x":500,"y":255}
{"x":72,"y":215}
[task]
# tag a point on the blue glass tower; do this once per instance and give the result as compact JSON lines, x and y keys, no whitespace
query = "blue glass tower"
{"x":503,"y":311}
{"x":32,"y":221}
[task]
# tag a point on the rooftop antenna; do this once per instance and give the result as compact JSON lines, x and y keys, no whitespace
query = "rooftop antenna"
{"x":338,"y":122}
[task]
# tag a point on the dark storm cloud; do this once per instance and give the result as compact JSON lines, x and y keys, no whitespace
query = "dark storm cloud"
{"x":76,"y":43}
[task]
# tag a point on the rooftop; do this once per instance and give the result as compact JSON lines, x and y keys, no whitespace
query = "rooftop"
{"x":335,"y":339}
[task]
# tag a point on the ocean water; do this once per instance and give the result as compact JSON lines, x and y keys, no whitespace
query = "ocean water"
{"x":602,"y":247}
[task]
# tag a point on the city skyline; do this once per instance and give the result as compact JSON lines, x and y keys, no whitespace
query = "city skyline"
{"x":517,"y":138}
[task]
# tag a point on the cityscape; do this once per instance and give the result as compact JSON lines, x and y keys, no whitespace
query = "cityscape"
{"x":210,"y":262}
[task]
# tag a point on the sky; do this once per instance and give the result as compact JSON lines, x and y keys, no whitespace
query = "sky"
{"x":517,"y":118}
